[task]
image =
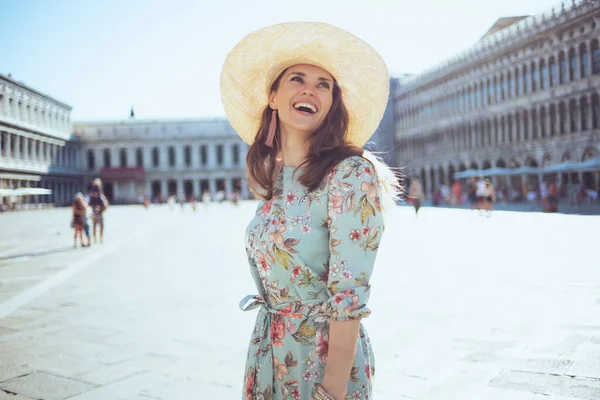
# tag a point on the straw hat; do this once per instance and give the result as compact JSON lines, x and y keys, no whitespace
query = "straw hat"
{"x":255,"y":62}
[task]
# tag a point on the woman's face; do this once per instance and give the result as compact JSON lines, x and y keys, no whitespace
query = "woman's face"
{"x":303,"y":99}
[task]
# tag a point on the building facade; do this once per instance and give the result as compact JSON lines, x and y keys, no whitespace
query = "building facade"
{"x":526,"y":95}
{"x":37,"y":149}
{"x":159,"y":158}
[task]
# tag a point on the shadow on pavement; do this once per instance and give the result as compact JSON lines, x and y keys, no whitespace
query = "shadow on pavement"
{"x":38,"y":253}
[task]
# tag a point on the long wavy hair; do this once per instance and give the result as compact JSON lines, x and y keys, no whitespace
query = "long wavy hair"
{"x":328,"y":146}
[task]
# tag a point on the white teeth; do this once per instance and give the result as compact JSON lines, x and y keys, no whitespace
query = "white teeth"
{"x":306,"y":105}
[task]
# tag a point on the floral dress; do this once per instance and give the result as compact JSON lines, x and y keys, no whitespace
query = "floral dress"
{"x":311,"y":256}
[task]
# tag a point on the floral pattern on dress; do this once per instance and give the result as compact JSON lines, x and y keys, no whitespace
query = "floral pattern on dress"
{"x":311,"y":256}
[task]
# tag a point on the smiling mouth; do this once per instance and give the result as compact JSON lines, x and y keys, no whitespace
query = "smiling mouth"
{"x":305,"y":108}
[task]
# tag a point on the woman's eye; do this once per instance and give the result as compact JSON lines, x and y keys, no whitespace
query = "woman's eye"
{"x":324,"y":85}
{"x":297,"y":79}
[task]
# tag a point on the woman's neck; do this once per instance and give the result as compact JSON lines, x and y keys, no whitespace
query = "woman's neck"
{"x":294,"y":147}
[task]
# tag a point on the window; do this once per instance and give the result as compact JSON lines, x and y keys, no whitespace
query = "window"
{"x":91,"y":160}
{"x":171,"y":156}
{"x":534,"y":124}
{"x":544,"y":82}
{"x":510,"y":85}
{"x":155,"y":157}
{"x":517,"y":83}
{"x":517,"y":127}
{"x":123,"y":158}
{"x":573,"y":115}
{"x":490,"y":94}
{"x":584,"y":61}
{"x":552,"y":111}
{"x":553,"y":72}
{"x":235,"y":152}
{"x":564,"y":68}
{"x":562,"y":116}
{"x":595,"y":105}
{"x":482,"y":95}
{"x":219,"y":154}
{"x":525,"y":80}
{"x":573,"y":65}
{"x":139,"y":157}
{"x":595,"y":57}
{"x":187,"y":155}
{"x":525,"y":125}
{"x":107,"y":163}
{"x":203,"y":154}
{"x":504,"y":87}
{"x":543,"y":122}
{"x":509,"y":136}
{"x":583,"y":106}
{"x":534,"y":77}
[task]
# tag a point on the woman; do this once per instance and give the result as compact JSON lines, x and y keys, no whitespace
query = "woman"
{"x":99,"y":204}
{"x":306,"y":97}
{"x":79,"y":210}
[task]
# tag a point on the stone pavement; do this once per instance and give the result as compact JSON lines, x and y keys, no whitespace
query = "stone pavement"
{"x":464,"y":307}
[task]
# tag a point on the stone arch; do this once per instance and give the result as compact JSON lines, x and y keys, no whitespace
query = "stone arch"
{"x":473,"y":165}
{"x":486,"y":165}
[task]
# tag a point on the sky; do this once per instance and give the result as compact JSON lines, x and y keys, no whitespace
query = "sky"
{"x":164,"y":57}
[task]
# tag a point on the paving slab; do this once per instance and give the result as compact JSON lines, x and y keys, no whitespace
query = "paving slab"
{"x":152,"y":313}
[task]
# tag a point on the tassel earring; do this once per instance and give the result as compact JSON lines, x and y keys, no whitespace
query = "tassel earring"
{"x":272,"y":130}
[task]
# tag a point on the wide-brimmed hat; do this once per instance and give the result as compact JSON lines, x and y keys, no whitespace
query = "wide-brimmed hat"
{"x":254,"y":63}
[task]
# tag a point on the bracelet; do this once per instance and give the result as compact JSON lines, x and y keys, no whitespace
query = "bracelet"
{"x":321,"y":394}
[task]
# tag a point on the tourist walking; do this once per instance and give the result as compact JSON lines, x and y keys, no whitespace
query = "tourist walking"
{"x":78,"y":220}
{"x":415,"y":194}
{"x":99,"y":204}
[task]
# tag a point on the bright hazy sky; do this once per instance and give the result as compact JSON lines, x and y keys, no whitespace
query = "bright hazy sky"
{"x":165,"y":57}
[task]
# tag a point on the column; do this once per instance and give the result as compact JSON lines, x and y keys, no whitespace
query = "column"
{"x":17,"y":154}
{"x":212,"y":156}
{"x":164,"y":189}
{"x":180,"y":188}
{"x":148,"y":191}
{"x":7,"y":151}
{"x":147,"y":158}
{"x":26,"y":148}
{"x":132,"y":196}
{"x":245,"y":191}
{"x":99,"y":155}
{"x":116,"y":192}
{"x":131,"y":161}
{"x":196,"y":187}
{"x":548,"y":122}
{"x":228,"y":187}
{"x":212,"y":186}
{"x":227,"y":157}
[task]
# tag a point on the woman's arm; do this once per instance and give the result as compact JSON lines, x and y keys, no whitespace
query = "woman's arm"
{"x":342,"y":347}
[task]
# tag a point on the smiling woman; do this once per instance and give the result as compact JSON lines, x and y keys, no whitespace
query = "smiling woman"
{"x":312,"y":243}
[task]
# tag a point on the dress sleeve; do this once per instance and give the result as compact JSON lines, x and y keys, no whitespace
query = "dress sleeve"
{"x":356,"y":224}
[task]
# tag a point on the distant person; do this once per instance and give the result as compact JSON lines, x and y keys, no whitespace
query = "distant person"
{"x":480,"y":194}
{"x":78,"y":221}
{"x":99,"y":204}
{"x":472,"y":193}
{"x":206,"y":198}
{"x":544,"y":196}
{"x":489,"y":197}
{"x":553,"y":197}
{"x":416,"y":194}
{"x":456,"y":193}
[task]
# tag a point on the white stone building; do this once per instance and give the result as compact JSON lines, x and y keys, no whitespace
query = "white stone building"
{"x":37,"y":149}
{"x":158,"y":158}
{"x":526,"y":95}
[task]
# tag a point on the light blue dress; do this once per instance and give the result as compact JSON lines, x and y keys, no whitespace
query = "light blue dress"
{"x":311,"y":256}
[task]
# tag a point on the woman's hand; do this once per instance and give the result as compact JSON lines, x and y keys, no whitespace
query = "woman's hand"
{"x":335,"y":388}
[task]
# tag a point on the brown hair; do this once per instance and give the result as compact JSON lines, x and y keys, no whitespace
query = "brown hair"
{"x":328,"y":146}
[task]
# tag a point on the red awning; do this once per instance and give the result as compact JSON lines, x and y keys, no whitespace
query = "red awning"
{"x":122,"y":174}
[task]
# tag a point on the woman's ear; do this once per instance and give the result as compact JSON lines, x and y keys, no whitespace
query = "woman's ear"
{"x":273,"y":100}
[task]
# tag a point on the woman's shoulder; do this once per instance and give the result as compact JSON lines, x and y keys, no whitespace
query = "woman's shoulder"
{"x":353,"y":166}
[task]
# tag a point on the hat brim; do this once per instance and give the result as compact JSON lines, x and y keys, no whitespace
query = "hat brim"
{"x":254,"y":64}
